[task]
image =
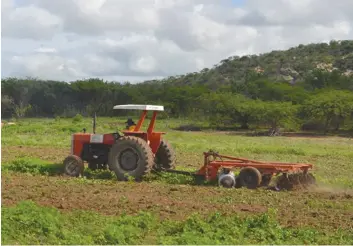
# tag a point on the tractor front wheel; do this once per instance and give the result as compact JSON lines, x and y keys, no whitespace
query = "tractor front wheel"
{"x":165,"y":157}
{"x":130,"y":156}
{"x":250,"y":177}
{"x":73,"y":166}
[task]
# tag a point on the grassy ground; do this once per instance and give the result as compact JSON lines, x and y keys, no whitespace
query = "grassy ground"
{"x":32,"y":151}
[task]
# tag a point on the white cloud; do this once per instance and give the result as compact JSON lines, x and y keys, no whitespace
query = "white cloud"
{"x":46,"y":66}
{"x":29,"y":21}
{"x":45,"y":50}
{"x":144,"y":39}
{"x":143,"y":64}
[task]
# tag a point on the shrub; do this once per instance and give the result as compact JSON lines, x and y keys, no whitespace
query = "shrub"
{"x":77,"y":118}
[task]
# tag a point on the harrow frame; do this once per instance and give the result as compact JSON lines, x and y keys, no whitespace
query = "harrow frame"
{"x":293,"y":173}
{"x":211,"y":167}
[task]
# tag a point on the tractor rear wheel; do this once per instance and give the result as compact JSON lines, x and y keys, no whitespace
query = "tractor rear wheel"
{"x":73,"y":166}
{"x":165,"y":157}
{"x":250,"y":177}
{"x":130,"y":156}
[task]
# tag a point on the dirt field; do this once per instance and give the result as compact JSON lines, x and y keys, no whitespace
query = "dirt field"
{"x":324,"y":208}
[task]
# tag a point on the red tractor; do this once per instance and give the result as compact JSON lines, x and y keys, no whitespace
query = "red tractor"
{"x":133,"y":153}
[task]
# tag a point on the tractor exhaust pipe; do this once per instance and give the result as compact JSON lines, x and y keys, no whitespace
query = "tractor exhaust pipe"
{"x":94,"y":122}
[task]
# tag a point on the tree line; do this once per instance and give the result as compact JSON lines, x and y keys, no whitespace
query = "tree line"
{"x":322,"y":101}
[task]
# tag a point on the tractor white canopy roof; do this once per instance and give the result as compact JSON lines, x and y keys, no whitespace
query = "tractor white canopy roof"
{"x":140,"y":107}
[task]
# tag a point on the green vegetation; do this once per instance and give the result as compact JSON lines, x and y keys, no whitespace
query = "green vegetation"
{"x":282,"y":89}
{"x":331,"y":156}
{"x":330,"y":107}
{"x":28,"y":223}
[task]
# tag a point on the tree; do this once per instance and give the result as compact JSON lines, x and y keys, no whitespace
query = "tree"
{"x":244,"y":110}
{"x":328,"y":106}
{"x":216,"y":106}
{"x":273,"y":91}
{"x":228,"y":108}
{"x":275,"y":114}
{"x":7,"y":106}
{"x":21,"y":110}
{"x":320,"y":79}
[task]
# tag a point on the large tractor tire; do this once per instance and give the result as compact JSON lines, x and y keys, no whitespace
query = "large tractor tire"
{"x":130,"y":156}
{"x":73,"y":166}
{"x":165,"y":157}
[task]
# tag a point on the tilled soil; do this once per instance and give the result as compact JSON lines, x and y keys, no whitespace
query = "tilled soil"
{"x":113,"y":198}
{"x":321,"y":209}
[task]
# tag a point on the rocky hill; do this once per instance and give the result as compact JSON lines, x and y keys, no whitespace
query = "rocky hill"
{"x":290,"y":65}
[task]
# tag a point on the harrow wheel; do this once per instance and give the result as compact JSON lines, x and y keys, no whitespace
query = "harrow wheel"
{"x":73,"y":166}
{"x":165,"y":156}
{"x":295,"y":180}
{"x":130,"y":156}
{"x":249,"y":177}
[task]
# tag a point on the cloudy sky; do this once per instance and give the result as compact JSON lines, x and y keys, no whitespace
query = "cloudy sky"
{"x":135,"y":40}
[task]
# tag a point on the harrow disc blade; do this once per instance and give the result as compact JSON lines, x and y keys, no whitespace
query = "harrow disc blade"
{"x":283,"y":183}
{"x":295,"y":180}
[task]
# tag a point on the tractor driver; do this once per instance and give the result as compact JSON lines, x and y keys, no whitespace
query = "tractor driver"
{"x":130,"y":124}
